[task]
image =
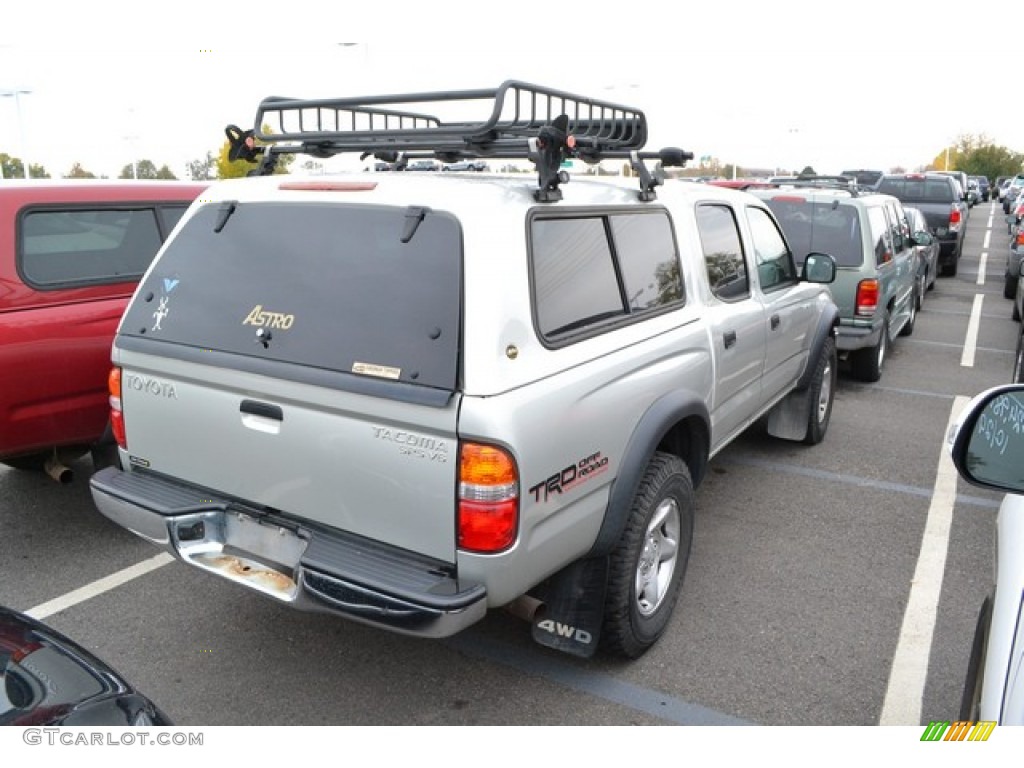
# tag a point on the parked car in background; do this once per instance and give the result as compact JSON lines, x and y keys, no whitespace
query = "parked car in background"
{"x":938,"y":197}
{"x":71,"y":253}
{"x":1012,"y":190}
{"x":983,"y":187}
{"x":926,"y":246}
{"x":999,"y":186}
{"x":423,"y":165}
{"x":864,"y":177}
{"x":987,"y":447}
{"x":466,"y":165}
{"x":48,"y":679}
{"x":877,"y":279}
{"x":973,"y":193}
{"x":962,"y":180}
{"x":1015,"y":253}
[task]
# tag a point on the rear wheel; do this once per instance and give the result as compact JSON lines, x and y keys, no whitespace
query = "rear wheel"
{"x":867,"y":363}
{"x":1018,"y":359}
{"x":645,"y":570}
{"x":908,"y":327}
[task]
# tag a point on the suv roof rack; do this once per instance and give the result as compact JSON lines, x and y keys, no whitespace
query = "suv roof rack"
{"x":528,"y":121}
{"x":842,"y":183}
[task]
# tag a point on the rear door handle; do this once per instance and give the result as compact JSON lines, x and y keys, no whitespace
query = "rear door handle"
{"x":775,"y":322}
{"x":729,"y":337}
{"x":266,"y":410}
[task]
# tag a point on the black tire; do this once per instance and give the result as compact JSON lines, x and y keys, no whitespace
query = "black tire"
{"x":920,"y":289}
{"x":822,"y":394}
{"x":908,"y":327}
{"x":866,"y":364}
{"x":646,"y":568}
{"x":970,"y":702}
{"x":949,"y":270}
{"x":1016,"y":309}
{"x":1009,"y":287}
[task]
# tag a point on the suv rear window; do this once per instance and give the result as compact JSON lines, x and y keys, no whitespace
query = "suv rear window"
{"x":820,"y":226}
{"x":325,"y":286}
{"x":919,"y":190}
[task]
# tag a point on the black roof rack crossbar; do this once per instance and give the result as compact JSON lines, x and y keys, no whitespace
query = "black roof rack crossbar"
{"x":404,"y":123}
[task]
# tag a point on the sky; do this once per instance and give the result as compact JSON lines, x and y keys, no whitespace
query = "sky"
{"x":794,"y":84}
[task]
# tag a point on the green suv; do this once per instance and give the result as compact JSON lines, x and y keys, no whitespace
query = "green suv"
{"x":869,"y":238}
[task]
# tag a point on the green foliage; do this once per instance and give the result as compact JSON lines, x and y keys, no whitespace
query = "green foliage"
{"x":78,"y":172}
{"x":14,"y":168}
{"x":202,"y":169}
{"x":977,"y":156}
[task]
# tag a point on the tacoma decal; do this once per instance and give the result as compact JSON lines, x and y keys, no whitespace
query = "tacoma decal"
{"x":258,"y":317}
{"x":570,"y":477}
{"x":412,"y":444}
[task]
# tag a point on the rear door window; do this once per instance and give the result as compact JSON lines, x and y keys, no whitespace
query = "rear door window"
{"x":820,"y":227}
{"x":328,"y":287}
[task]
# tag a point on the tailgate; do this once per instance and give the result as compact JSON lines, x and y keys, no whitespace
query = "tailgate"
{"x":304,"y":358}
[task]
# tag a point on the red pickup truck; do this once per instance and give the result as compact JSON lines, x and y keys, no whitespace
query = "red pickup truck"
{"x":71,"y":254}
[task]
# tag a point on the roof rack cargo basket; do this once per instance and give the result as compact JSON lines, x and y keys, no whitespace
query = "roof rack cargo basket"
{"x":845,"y":183}
{"x":398,"y":122}
{"x":545,"y":125}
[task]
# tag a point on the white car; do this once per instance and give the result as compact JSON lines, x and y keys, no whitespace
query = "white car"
{"x":987,"y":446}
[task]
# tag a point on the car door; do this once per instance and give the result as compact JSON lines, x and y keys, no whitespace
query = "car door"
{"x":904,"y":266}
{"x":736,"y":322}
{"x":789,"y":309}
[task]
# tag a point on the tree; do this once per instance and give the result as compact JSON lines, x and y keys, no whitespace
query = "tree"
{"x":78,"y":172}
{"x":202,"y":169}
{"x":165,"y":173}
{"x":143,"y":169}
{"x":14,"y":168}
{"x":977,"y":156}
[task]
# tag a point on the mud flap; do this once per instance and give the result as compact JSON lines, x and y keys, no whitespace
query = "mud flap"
{"x":573,"y":611}
{"x":788,"y":418}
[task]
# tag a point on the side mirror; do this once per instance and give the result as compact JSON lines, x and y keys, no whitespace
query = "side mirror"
{"x":818,"y":268}
{"x":987,"y":441}
{"x":923,"y":237}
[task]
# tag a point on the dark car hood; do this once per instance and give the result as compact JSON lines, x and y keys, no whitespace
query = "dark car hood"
{"x":48,"y":679}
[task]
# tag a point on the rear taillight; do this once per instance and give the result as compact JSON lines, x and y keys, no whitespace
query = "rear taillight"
{"x":954,"y":219}
{"x":1020,"y":238}
{"x":116,"y":414}
{"x":488,"y":498}
{"x":867,"y":297}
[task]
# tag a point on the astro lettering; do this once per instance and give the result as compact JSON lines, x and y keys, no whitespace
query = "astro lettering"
{"x":570,"y":477}
{"x":259,"y":317}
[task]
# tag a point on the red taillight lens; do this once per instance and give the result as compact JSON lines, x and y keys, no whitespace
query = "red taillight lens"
{"x":116,"y":414}
{"x":488,"y":498}
{"x":954,"y":219}
{"x":1020,"y":237}
{"x":867,"y":297}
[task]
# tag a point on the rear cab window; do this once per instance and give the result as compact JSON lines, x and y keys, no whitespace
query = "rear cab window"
{"x":592,"y":269}
{"x":274,"y":283}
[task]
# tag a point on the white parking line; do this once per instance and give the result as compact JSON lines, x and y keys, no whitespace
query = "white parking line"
{"x":982,"y":261}
{"x":99,"y":586}
{"x":971,"y":341}
{"x":903,"y":697}
{"x":988,"y":235}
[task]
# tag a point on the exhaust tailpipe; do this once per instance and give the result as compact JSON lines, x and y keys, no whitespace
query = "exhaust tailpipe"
{"x":58,"y":471}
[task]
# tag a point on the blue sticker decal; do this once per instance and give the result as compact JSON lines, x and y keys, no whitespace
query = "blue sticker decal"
{"x":170,"y":285}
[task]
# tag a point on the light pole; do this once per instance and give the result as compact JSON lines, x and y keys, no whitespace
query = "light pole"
{"x":17,"y":93}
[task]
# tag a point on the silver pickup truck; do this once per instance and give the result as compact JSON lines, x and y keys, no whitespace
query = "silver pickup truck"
{"x":410,"y":398}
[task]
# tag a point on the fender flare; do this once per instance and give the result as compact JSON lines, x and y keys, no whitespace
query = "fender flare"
{"x":827,"y":322}
{"x":664,"y":414}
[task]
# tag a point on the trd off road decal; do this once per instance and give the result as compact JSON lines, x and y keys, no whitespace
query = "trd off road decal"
{"x":571,"y":477}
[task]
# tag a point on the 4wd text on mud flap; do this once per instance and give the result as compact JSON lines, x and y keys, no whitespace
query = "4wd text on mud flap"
{"x":571,"y":476}
{"x":565,"y":630}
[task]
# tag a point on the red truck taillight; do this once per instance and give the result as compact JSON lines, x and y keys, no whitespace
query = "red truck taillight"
{"x":488,"y":498}
{"x":116,"y":414}
{"x":867,"y":297}
{"x":954,"y":219}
